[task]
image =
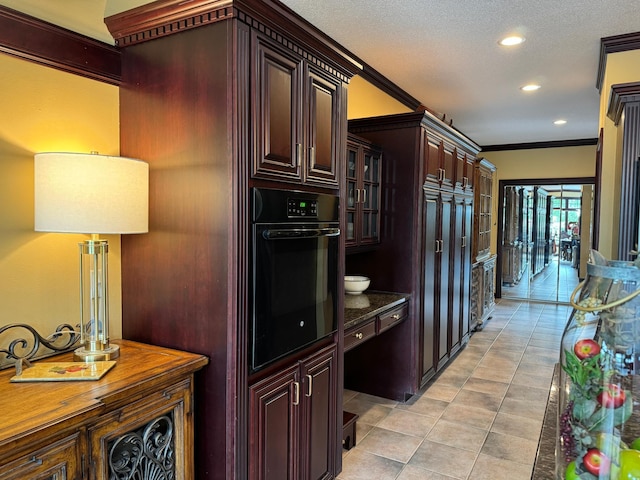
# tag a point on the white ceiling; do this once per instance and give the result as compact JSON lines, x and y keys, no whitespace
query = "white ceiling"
{"x":445,"y":54}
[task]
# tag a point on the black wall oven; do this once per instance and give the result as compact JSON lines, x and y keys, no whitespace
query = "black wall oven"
{"x":294,"y":272}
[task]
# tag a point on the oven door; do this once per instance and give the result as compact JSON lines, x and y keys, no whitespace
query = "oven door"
{"x":295,"y":281}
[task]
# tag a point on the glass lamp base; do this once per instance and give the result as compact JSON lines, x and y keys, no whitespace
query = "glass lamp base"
{"x":111,"y":352}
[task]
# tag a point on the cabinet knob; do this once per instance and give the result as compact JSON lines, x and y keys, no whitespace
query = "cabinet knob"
{"x":358,"y":335}
{"x":396,"y":316}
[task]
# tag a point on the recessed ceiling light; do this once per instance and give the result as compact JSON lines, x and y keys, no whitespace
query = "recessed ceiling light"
{"x":532,"y":87}
{"x":559,"y":122}
{"x":511,"y":40}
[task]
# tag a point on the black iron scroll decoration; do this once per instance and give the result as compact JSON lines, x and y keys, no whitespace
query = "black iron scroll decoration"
{"x":26,"y":346}
{"x":145,"y":454}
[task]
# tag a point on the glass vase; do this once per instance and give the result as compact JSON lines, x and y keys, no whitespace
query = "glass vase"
{"x":598,"y":429}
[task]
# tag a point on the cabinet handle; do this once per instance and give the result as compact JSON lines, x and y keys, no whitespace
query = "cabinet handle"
{"x":441,"y":174}
{"x":296,"y":393}
{"x":464,"y":241}
{"x":396,"y":316}
{"x":298,"y":153}
{"x":357,"y":195}
{"x":465,"y":182}
{"x":36,"y":460}
{"x":310,"y":388}
{"x":312,"y":155}
{"x":358,"y":335}
{"x":364,"y":195}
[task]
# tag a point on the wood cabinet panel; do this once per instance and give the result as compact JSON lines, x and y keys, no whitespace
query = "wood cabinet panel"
{"x":359,"y":334}
{"x":293,"y":425}
{"x":426,"y":162}
{"x":297,"y":119}
{"x":59,"y":460}
{"x":364,"y":194}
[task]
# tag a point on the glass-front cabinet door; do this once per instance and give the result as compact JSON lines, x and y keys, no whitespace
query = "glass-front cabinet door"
{"x":364,"y":162}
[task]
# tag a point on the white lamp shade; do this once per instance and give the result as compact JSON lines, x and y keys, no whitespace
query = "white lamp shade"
{"x":92,"y":194}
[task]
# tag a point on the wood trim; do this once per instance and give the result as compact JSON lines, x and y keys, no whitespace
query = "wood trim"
{"x":621,"y":94}
{"x":41,"y":42}
{"x":597,"y":193}
{"x":533,"y":145}
{"x":166,"y":17}
{"x":616,"y":43}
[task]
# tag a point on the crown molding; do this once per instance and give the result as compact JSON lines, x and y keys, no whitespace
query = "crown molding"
{"x":35,"y":40}
{"x":616,"y":43}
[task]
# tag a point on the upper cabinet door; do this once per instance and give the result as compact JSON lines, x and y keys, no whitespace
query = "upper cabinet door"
{"x":297,"y":118}
{"x":323,"y":123}
{"x":277,"y":112}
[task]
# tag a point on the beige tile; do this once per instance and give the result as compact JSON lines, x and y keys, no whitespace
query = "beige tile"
{"x":469,"y":415}
{"x":425,"y":406}
{"x":522,"y":427}
{"x":388,"y":444}
{"x":377,"y":400}
{"x":497,"y":375}
{"x":491,"y":468}
{"x":370,"y":413}
{"x":414,"y":473}
{"x":527,"y":393}
{"x":486,"y":386}
{"x":458,"y":435}
{"x":361,"y":465}
{"x":510,"y":447}
{"x":523,"y":408}
{"x":535,"y":381}
{"x":488,"y":401}
{"x":443,"y":459}
{"x":408,"y":423}
{"x":441,"y":391}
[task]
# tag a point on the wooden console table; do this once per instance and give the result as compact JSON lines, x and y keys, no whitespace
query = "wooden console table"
{"x":139,"y":417}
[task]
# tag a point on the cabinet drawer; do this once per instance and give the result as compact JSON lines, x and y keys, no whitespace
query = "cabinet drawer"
{"x":358,"y":334}
{"x":390,"y":318}
{"x":59,"y":460}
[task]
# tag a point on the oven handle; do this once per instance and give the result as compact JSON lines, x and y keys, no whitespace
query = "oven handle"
{"x":296,"y":233}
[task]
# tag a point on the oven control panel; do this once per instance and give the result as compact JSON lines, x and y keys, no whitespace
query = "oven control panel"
{"x":297,"y":207}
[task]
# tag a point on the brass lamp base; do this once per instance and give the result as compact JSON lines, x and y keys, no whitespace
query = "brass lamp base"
{"x":110,"y":352}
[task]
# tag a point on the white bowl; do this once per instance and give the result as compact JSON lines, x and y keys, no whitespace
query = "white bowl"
{"x":355,"y":284}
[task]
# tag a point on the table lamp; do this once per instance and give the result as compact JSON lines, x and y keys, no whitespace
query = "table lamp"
{"x":92,"y":194}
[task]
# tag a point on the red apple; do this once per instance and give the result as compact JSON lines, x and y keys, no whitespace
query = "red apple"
{"x":586,"y":348}
{"x":612,"y":396}
{"x":596,"y":463}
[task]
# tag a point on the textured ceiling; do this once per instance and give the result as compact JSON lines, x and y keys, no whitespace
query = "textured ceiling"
{"x":445,"y":54}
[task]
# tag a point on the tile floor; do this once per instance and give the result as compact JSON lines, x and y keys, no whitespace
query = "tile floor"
{"x":480,"y":419}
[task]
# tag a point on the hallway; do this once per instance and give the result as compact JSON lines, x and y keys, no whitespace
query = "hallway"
{"x":480,"y":419}
{"x":559,"y":278}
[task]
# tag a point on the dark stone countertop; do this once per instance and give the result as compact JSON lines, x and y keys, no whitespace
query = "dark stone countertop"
{"x":360,"y":308}
{"x":544,"y":467}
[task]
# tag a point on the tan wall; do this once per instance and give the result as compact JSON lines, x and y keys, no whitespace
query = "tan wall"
{"x":621,"y":67}
{"x":47,"y":110}
{"x":366,"y":100}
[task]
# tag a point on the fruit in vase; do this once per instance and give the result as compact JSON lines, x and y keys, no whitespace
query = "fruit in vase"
{"x":596,"y":463}
{"x":586,"y":348}
{"x":612,"y":396}
{"x":570,"y":472}
{"x":629,"y":465}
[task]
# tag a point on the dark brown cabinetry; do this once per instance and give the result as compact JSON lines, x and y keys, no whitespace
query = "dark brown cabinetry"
{"x":297,"y":115}
{"x":424,"y":246}
{"x":291,"y":417}
{"x":219,"y":97}
{"x":364,"y":164}
{"x":483,"y":270}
